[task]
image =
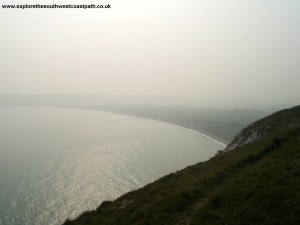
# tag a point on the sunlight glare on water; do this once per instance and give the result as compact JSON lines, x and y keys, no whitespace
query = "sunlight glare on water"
{"x":57,"y":163}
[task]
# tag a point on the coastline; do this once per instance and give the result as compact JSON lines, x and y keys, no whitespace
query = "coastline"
{"x":173,"y":124}
{"x":58,"y":112}
{"x":203,"y":133}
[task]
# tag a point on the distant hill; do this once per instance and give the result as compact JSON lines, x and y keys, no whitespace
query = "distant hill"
{"x":256,"y":180}
{"x":222,"y":125}
{"x":217,"y":123}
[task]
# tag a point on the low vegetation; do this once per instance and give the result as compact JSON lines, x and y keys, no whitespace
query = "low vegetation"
{"x":258,"y":183}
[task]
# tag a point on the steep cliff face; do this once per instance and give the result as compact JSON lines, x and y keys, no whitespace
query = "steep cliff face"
{"x":258,"y":130}
{"x":248,"y":136}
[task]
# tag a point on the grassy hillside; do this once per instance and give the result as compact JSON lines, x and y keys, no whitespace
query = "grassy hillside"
{"x":258,"y":183}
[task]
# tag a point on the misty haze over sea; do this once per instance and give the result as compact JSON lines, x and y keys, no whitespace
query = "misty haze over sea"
{"x":95,"y":103}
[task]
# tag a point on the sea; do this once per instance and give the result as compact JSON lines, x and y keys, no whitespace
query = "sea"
{"x":56,"y":163}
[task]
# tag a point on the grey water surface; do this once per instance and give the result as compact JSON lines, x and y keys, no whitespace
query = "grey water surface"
{"x":57,"y":163}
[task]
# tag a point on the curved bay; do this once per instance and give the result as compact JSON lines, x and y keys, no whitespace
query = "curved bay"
{"x":57,"y":163}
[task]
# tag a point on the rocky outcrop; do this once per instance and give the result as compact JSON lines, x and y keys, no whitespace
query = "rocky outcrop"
{"x":248,"y":136}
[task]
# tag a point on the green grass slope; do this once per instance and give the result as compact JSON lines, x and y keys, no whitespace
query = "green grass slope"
{"x":258,"y":183}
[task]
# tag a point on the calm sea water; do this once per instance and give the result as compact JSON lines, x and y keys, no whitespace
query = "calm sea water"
{"x":57,"y":163}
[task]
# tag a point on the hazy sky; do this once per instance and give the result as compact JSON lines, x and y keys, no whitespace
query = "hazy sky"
{"x":225,"y":51}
